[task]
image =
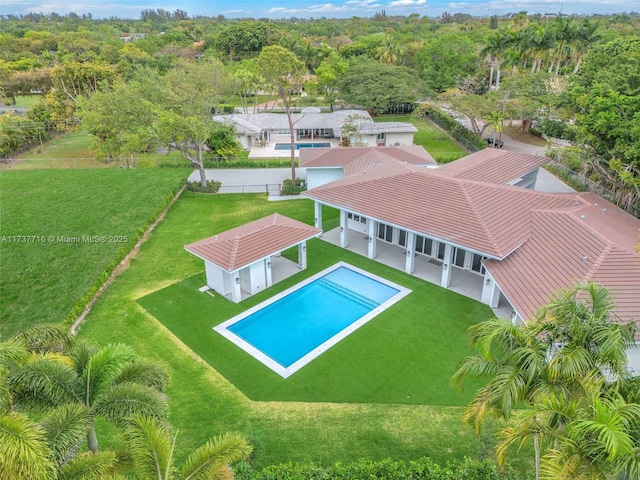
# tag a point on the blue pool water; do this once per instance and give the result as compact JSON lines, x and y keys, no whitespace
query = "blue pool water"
{"x":298,"y":146}
{"x":300,"y":322}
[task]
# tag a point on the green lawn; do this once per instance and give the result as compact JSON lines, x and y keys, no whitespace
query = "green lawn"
{"x":382,"y":362}
{"x":27,"y":100}
{"x":205,"y":401}
{"x":70,"y":150}
{"x":46,"y":265}
{"x":440,"y":145}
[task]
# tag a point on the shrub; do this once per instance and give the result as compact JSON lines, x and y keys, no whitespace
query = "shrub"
{"x":462,"y":134}
{"x":289,"y":188}
{"x":212,"y":186}
{"x":422,"y":469}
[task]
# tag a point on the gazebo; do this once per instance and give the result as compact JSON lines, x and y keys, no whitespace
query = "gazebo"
{"x":241,"y":262}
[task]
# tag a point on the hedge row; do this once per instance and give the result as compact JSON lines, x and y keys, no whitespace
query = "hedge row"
{"x":422,"y":469}
{"x":462,"y":134}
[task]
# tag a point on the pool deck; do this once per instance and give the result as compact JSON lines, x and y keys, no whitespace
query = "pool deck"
{"x":463,"y":282}
{"x":269,"y":150}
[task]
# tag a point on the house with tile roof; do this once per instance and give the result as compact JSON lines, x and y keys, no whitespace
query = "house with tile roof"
{"x":313,"y":125}
{"x":245,"y":260}
{"x":478,"y":226}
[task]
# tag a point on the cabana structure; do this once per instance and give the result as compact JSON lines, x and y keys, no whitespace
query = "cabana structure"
{"x":242,"y":261}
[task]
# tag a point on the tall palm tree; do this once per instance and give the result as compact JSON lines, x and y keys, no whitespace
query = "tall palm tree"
{"x":151,"y":447}
{"x":586,"y":36}
{"x":107,"y":381}
{"x":494,"y":49}
{"x":495,"y":125}
{"x":565,"y":33}
{"x":389,"y":52}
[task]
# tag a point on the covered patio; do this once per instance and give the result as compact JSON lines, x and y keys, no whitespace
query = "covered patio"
{"x":246,"y":260}
{"x":429,"y":269}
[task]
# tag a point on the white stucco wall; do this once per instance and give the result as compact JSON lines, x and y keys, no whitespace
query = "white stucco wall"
{"x":634,"y":359}
{"x":321,"y":176}
{"x":215,"y":278}
{"x":244,"y":140}
{"x":400,"y":138}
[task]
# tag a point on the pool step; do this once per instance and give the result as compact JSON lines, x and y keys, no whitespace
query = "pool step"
{"x":344,"y":291}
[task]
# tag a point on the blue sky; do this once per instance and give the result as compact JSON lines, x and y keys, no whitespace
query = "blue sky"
{"x":305,"y":8}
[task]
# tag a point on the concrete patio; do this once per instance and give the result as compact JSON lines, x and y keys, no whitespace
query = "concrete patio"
{"x":269,"y":149}
{"x":428,"y":269}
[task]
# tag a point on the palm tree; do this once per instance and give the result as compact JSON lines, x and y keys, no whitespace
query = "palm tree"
{"x":389,"y":52}
{"x":48,"y":450}
{"x":108,"y":381}
{"x":494,"y":50}
{"x":545,"y":361}
{"x":565,"y":33}
{"x":495,"y":124}
{"x":151,"y":446}
{"x":586,"y":36}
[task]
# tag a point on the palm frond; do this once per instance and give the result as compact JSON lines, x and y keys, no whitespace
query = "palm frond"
{"x":47,"y":338}
{"x":89,"y":466}
{"x":150,"y":446}
{"x":23,"y":449}
{"x":211,"y":460}
{"x":103,"y":368}
{"x":45,"y":380}
{"x":13,"y":351}
{"x":144,"y":372}
{"x":66,"y":428}
{"x":126,"y":399}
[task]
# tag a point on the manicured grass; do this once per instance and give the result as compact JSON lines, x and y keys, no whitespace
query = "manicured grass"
{"x":46,"y":265}
{"x":27,"y":100}
{"x":203,"y":402}
{"x":70,"y":150}
{"x":385,"y":361}
{"x":441,"y":147}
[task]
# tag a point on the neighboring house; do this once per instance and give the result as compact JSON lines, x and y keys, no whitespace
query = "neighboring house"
{"x":473,"y":218}
{"x":311,"y":125}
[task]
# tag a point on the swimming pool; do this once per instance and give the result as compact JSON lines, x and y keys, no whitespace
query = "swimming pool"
{"x":298,"y":146}
{"x":294,"y":327}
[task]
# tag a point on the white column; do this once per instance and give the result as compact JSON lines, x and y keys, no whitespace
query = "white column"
{"x":344,"y":221}
{"x":490,"y":291}
{"x":371,"y":250}
{"x":236,"y":294}
{"x":317,"y":210}
{"x":411,"y":246}
{"x":267,"y":271}
{"x":302,"y":255}
{"x":446,"y":266}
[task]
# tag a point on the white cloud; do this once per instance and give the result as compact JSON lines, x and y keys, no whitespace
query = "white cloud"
{"x":407,"y":3}
{"x":322,"y":8}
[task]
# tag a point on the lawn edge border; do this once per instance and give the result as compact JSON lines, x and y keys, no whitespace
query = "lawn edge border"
{"x":123,"y":264}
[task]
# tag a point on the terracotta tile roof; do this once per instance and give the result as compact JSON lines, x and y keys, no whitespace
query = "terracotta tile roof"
{"x":482,"y":217}
{"x":564,"y":248}
{"x":241,"y":246}
{"x":492,"y":165}
{"x":341,"y":156}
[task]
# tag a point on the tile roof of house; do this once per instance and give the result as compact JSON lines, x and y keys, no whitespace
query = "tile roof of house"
{"x":244,"y":245}
{"x":483,"y":217}
{"x":278,"y":121}
{"x":341,"y":156}
{"x":492,"y":165}
{"x":594,"y":241}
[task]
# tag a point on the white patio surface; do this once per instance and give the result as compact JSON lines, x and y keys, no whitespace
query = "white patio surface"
{"x":428,"y":269}
{"x":269,"y":150}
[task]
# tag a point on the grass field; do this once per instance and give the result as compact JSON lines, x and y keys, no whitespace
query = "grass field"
{"x":441,"y":147}
{"x":27,"y":100}
{"x":46,"y":264}
{"x":203,"y":401}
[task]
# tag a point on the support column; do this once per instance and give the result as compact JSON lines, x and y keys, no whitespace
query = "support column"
{"x":371,"y":238}
{"x":490,"y":291}
{"x":446,"y":266}
{"x":267,"y":271}
{"x":411,"y":246}
{"x":236,"y":293}
{"x":344,"y":241}
{"x":302,"y":255}
{"x":317,"y":210}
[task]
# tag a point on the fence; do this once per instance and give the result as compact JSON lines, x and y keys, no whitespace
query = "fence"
{"x":270,"y":189}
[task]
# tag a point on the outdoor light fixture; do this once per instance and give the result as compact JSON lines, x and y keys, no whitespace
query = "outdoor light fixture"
{"x":237,"y":280}
{"x":487,"y":281}
{"x":341,"y":228}
{"x":269,"y":264}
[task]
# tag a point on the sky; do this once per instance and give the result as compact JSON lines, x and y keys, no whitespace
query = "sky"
{"x":316,"y":9}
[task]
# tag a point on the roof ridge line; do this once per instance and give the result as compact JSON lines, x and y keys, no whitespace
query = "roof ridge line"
{"x":480,"y":218}
{"x":591,"y":272}
{"x":234,"y":251}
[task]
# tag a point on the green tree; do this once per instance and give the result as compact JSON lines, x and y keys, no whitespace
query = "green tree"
{"x":542,"y":366}
{"x":328,"y":73}
{"x":107,"y":381}
{"x":284,"y":71}
{"x":378,"y":87}
{"x":152,"y":448}
{"x":239,"y":40}
{"x":494,"y":49}
{"x":495,"y":125}
{"x":191,"y":93}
